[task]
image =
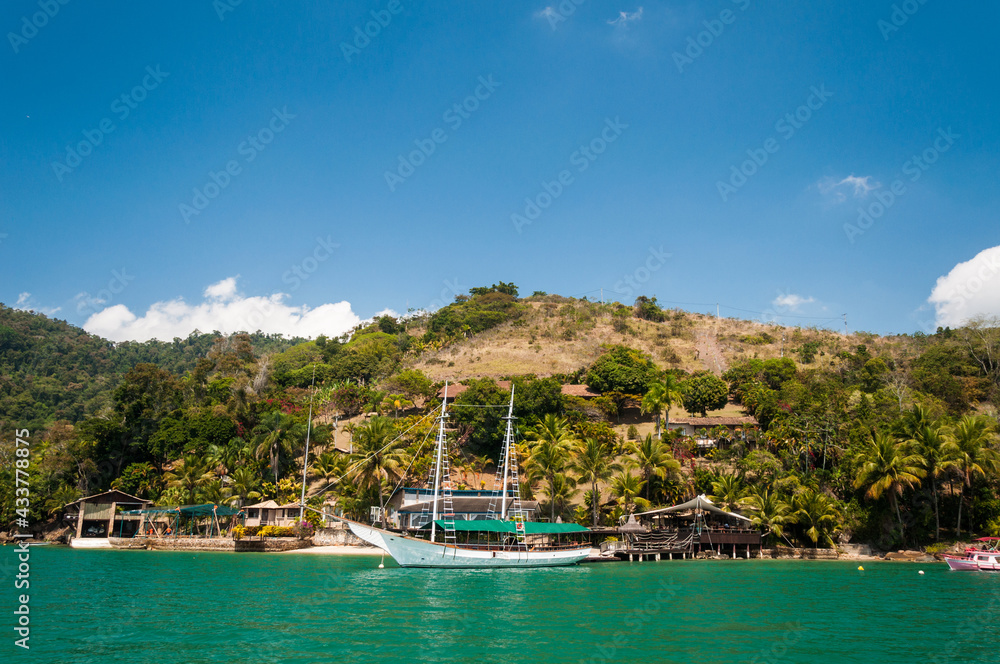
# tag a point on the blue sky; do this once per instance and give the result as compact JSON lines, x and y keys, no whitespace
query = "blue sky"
{"x":699,"y":152}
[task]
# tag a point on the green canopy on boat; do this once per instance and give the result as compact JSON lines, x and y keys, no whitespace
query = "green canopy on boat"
{"x":497,"y":526}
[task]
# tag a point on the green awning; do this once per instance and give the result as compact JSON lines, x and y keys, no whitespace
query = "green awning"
{"x":190,"y":510}
{"x":497,"y":526}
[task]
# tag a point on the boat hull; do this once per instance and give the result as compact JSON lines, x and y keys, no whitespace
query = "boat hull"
{"x":961,"y":564}
{"x":983,"y":562}
{"x":412,"y":552}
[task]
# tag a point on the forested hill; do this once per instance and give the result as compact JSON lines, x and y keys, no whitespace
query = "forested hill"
{"x":51,"y":370}
{"x":888,"y":439}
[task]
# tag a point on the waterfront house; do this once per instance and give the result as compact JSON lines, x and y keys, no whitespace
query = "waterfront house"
{"x":94,"y":518}
{"x":270,"y":513}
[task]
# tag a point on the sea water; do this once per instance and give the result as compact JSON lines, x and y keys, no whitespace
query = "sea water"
{"x":141,"y":606}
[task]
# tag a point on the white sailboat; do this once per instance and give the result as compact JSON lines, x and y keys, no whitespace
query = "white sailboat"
{"x":511,"y":547}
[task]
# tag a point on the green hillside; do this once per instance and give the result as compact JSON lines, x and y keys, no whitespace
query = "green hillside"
{"x":888,"y":440}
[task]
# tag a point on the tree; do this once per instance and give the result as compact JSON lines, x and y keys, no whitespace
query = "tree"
{"x":245,"y":485}
{"x":146,"y":394}
{"x":660,"y":396}
{"x":768,"y":511}
{"x":276,"y":434}
{"x":930,"y":443}
{"x":972,"y":449}
{"x":189,"y":477}
{"x":621,"y":369}
{"x":594,"y":461}
{"x":886,"y":467}
{"x":727,"y":490}
{"x":818,"y":513}
{"x":704,"y":392}
{"x":653,"y":459}
{"x":377,"y":456}
{"x":550,"y":444}
{"x":626,"y":487}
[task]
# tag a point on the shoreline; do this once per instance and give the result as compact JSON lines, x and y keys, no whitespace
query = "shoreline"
{"x":338,"y":550}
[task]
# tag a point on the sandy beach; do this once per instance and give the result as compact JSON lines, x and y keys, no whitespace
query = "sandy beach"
{"x":340,"y":550}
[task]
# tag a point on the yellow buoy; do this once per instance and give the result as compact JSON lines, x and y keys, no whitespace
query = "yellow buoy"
{"x":860,"y":568}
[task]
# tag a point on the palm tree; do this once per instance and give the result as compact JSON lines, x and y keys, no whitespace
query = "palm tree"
{"x":929,"y":441}
{"x":552,"y":429}
{"x":561,"y":491}
{"x":626,"y":487}
{"x":214,"y":492}
{"x":653,"y":459}
{"x":971,"y":448}
{"x":768,"y":511}
{"x":817,"y":511}
{"x":188,"y":477}
{"x":377,"y":456}
{"x":276,"y":433}
{"x":330,"y":465}
{"x":887,"y":467}
{"x":244,"y":486}
{"x":660,"y":396}
{"x":549,"y":453}
{"x":727,"y":491}
{"x":594,"y":462}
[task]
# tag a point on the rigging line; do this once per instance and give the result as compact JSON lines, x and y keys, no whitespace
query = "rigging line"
{"x":413,"y":460}
{"x":351,"y":469}
{"x":777,"y":315}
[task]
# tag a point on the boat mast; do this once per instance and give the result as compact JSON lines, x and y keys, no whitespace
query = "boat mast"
{"x":305,"y":461}
{"x":437,"y":463}
{"x":508,"y":450}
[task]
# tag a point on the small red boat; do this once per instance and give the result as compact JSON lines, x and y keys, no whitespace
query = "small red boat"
{"x":985,"y":558}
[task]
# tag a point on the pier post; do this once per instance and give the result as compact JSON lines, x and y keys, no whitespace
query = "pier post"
{"x":657,"y":556}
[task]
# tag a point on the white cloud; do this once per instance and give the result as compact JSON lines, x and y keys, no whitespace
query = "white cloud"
{"x":858,"y":186}
{"x":970,"y":289}
{"x":791,"y":301}
{"x":26,"y":303}
{"x":223,"y":290}
{"x":226,"y":310}
{"x":624,"y":18}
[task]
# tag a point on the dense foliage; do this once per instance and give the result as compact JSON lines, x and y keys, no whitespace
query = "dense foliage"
{"x":886,"y":440}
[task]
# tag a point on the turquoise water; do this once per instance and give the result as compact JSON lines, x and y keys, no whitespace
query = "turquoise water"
{"x":166,"y":607}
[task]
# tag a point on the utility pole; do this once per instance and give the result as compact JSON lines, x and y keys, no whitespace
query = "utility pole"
{"x":305,"y":460}
{"x":845,"y":325}
{"x":602,"y":296}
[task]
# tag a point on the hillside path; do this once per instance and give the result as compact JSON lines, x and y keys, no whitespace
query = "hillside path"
{"x":710,"y":352}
